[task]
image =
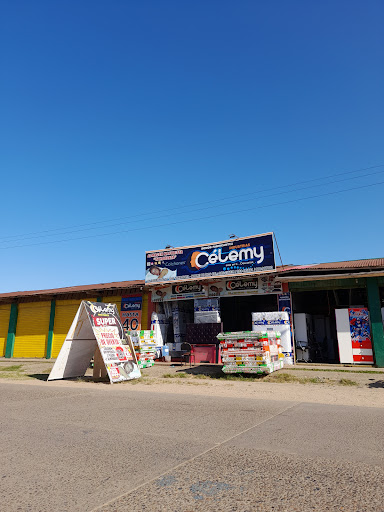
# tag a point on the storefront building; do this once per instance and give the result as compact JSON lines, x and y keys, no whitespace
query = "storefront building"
{"x":335,"y":310}
{"x":34,"y":324}
{"x":329,"y":313}
{"x":338,"y":311}
{"x":200,"y":291}
{"x":196,"y":311}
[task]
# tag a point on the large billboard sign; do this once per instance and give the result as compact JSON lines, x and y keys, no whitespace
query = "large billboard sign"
{"x":230,"y":257}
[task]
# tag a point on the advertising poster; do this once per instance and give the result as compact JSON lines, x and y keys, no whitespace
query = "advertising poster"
{"x":131,"y":312}
{"x":96,"y":326}
{"x":359,"y":326}
{"x":236,"y":256}
{"x":180,"y":292}
{"x":285,"y":302}
{"x":117,"y":353}
{"x":260,"y":285}
{"x":360,"y":335}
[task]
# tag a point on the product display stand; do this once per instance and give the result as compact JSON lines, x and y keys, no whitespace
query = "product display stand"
{"x":144,"y":343}
{"x":251,"y":352}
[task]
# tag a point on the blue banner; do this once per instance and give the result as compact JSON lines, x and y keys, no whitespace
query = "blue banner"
{"x":131,"y":303}
{"x":237,"y":256}
{"x":285,"y":302}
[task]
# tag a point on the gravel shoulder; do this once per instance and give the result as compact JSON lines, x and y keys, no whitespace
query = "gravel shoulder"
{"x":337,"y":386}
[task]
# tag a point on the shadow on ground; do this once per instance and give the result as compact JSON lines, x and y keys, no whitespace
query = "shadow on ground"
{"x":39,"y":376}
{"x":215,"y":372}
{"x":377,"y":384}
{"x":86,"y":378}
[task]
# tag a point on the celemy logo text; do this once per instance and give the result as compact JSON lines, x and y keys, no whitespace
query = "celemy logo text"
{"x":202,"y":259}
{"x":185,"y":288}
{"x":132,"y":305}
{"x":241,"y":285}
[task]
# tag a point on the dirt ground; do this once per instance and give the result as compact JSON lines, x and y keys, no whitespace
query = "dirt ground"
{"x":328,"y":385}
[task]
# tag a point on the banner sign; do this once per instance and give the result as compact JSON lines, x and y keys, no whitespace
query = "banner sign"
{"x":131,"y":312}
{"x":261,"y":285}
{"x":250,"y":254}
{"x":360,"y":335}
{"x":359,"y":325}
{"x":285,"y":302}
{"x":96,"y":325}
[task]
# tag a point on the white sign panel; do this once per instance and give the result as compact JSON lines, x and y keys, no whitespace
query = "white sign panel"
{"x":260,"y":285}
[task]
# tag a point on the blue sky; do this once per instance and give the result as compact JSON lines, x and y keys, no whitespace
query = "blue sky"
{"x":171,"y":122}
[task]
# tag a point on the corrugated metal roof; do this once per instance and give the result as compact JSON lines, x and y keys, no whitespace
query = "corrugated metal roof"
{"x":376,"y":263}
{"x":335,"y":265}
{"x":75,"y":289}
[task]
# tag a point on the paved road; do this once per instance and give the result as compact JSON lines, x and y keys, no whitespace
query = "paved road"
{"x":103,"y":448}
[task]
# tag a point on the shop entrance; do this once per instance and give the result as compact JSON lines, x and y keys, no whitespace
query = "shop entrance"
{"x":315,"y":322}
{"x":236,"y":312}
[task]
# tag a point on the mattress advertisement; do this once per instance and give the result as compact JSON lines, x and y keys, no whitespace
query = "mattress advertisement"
{"x":236,"y":256}
{"x":131,"y":312}
{"x":261,"y":285}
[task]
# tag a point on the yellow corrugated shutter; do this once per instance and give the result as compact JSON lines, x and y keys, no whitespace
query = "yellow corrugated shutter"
{"x":113,"y":300}
{"x":144,"y":311}
{"x":32,"y":329}
{"x":4,"y":324}
{"x":64,"y":314}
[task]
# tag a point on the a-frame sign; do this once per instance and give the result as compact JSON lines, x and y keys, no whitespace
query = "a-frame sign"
{"x":96,"y":326}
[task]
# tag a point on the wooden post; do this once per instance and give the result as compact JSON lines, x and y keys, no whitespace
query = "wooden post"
{"x":99,"y":369}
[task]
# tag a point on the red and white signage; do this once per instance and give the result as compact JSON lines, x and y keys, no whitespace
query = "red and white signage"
{"x":354,"y":336}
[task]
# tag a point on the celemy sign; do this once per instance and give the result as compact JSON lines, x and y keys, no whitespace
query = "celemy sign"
{"x":242,"y":285}
{"x":262,"y":285}
{"x":131,"y":306}
{"x":249,"y":254}
{"x":187,"y":288}
{"x":203,"y":259}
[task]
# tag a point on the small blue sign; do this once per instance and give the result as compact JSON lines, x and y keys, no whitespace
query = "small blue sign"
{"x":131,"y":303}
{"x":285,"y":302}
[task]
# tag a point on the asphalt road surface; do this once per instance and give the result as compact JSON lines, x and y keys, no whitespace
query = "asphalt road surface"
{"x":110,"y":448}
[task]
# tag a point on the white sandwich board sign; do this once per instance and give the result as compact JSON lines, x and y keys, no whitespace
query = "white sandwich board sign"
{"x":96,"y":325}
